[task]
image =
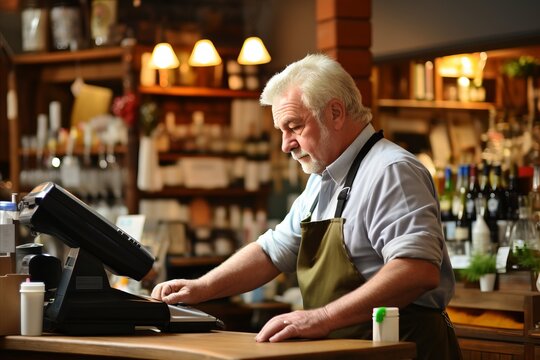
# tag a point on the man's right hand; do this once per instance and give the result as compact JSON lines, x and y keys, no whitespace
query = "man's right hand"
{"x":180,"y":291}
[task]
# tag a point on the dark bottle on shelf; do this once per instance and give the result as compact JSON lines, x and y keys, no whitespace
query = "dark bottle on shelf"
{"x":463,"y":224}
{"x":460,"y":188}
{"x":484,"y":181}
{"x":496,"y":206}
{"x":445,"y":199}
{"x":511,"y":195}
{"x":472,"y":193}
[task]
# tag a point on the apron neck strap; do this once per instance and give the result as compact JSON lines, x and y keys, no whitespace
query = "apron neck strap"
{"x":344,"y":193}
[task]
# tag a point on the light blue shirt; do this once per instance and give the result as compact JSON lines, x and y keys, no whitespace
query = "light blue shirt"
{"x":392,"y":212}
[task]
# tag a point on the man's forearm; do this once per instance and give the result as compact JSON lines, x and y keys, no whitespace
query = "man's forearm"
{"x":398,"y":283}
{"x":246,"y":270}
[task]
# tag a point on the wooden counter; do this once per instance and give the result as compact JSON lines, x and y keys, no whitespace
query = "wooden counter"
{"x":497,"y":324}
{"x":209,"y":346}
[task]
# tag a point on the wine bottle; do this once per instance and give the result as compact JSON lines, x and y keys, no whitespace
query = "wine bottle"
{"x":445,"y":199}
{"x":459,"y":186}
{"x":484,"y":181}
{"x":480,"y":237}
{"x":463,"y":229}
{"x":495,"y":205}
{"x":472,"y":193}
{"x":511,"y":195}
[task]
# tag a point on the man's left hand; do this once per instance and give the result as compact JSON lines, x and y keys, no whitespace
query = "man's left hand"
{"x":307,"y":324}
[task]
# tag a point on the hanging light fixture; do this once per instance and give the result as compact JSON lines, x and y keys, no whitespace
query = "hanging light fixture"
{"x":163,"y":58}
{"x":253,"y":52}
{"x":204,"y":54}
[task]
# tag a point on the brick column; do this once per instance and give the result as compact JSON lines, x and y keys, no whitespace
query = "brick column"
{"x":344,"y":33}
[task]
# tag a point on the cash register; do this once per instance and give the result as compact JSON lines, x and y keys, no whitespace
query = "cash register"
{"x":84,"y":302}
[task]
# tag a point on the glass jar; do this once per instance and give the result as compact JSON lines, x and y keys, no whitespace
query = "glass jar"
{"x":66,"y":25}
{"x":523,"y":237}
{"x":34,"y":22}
{"x":102,"y":18}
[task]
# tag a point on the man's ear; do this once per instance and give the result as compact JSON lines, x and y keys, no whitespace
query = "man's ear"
{"x":337,"y":110}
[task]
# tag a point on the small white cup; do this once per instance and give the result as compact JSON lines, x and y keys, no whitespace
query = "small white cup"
{"x":32,"y":301}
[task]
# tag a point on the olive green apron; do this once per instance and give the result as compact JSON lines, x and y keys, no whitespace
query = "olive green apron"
{"x":326,"y":272}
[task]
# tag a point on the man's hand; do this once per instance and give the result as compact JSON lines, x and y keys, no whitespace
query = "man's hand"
{"x":307,"y":324}
{"x":176,"y":291}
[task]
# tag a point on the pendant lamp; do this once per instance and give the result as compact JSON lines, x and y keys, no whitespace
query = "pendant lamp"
{"x":253,"y":52}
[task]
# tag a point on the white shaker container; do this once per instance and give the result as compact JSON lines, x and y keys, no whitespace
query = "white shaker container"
{"x":386,"y":324}
{"x":32,"y":301}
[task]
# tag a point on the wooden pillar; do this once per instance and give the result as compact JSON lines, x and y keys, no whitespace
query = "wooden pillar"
{"x":344,"y":33}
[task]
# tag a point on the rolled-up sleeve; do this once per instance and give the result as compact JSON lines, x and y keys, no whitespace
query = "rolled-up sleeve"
{"x":402,"y":222}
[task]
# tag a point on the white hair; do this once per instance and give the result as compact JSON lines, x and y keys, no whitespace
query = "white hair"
{"x":320,"y":79}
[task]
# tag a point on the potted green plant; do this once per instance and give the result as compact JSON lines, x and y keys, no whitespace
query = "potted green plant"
{"x":528,"y":259}
{"x":483,"y":268}
{"x":528,"y":68}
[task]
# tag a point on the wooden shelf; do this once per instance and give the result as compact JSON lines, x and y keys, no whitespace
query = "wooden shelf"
{"x":435,"y":104}
{"x":191,"y":91}
{"x":174,"y":156}
{"x":493,"y":300}
{"x":77,"y":151}
{"x":485,"y":333}
{"x":490,"y":338}
{"x":177,"y":191}
{"x":69,"y":56}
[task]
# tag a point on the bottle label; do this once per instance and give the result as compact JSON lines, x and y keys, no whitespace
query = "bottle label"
{"x":492,"y":205}
{"x":449,"y":228}
{"x":502,"y":258}
{"x":462,"y":233}
{"x":481,"y":237}
{"x":469,"y":206}
{"x":446,"y":205}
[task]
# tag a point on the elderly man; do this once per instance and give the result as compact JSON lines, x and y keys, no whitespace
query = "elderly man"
{"x":364,"y":233}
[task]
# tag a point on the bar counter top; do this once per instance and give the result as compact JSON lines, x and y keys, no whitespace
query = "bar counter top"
{"x":218,"y":345}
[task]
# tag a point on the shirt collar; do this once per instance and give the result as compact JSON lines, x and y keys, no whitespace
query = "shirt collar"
{"x":340,"y":167}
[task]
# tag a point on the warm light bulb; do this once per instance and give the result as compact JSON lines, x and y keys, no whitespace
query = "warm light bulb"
{"x":466,"y":66}
{"x":253,"y":52}
{"x":163,"y":57}
{"x":463,"y":81}
{"x":204,"y":54}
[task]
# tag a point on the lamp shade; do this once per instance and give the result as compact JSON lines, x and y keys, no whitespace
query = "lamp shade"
{"x":164,"y":57}
{"x":253,"y":52}
{"x":204,"y":54}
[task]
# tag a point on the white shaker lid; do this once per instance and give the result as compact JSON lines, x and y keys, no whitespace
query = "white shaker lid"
{"x":30,"y":286}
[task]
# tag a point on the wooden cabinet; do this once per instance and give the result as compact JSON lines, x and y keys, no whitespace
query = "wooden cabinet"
{"x":45,"y":77}
{"x":496,"y":325}
{"x":421,"y":105}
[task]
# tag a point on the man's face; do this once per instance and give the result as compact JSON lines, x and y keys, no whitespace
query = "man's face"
{"x":302,"y":134}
